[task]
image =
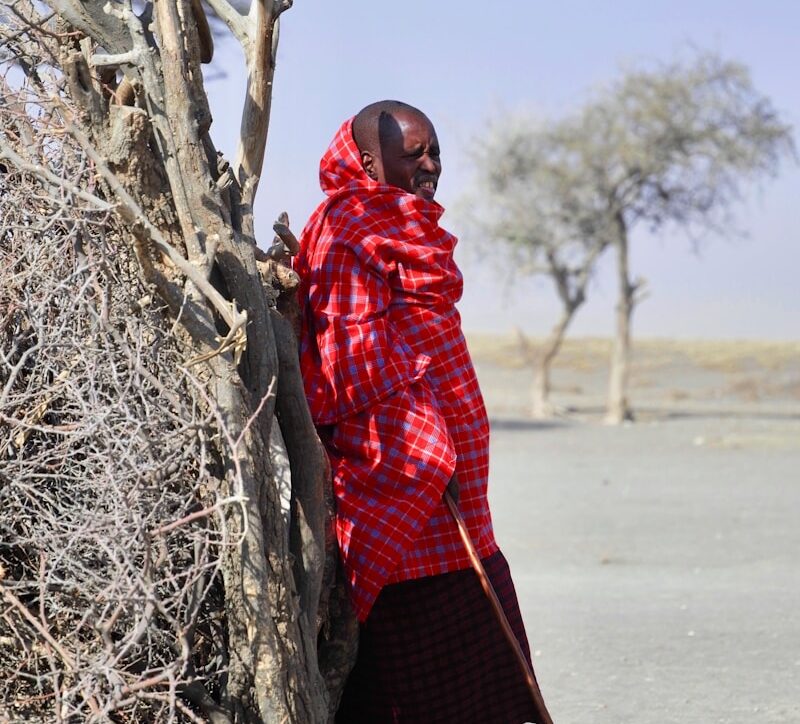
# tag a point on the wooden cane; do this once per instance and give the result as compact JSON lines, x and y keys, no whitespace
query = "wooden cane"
{"x":544,"y":715}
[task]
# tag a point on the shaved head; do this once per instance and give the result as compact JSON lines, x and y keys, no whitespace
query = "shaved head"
{"x":398,"y":147}
{"x":375,"y":122}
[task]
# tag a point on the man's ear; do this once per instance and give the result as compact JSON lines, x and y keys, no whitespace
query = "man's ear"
{"x":370,"y":164}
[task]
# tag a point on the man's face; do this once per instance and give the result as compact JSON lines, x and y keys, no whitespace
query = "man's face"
{"x":409,"y":154}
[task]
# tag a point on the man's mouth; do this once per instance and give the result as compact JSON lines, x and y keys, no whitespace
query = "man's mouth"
{"x":427,"y":188}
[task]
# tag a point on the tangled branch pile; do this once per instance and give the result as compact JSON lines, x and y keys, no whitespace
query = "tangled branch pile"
{"x":147,"y":572}
{"x":110,"y":463}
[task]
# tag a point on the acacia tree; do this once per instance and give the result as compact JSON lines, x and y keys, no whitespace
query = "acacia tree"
{"x":147,"y":571}
{"x":529,"y":198}
{"x":672,"y":146}
{"x":669,"y":146}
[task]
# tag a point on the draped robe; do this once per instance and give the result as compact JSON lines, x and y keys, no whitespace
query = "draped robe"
{"x":389,"y":379}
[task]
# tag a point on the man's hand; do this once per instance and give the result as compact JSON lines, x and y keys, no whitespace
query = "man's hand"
{"x":452,"y":488}
{"x":284,"y":245}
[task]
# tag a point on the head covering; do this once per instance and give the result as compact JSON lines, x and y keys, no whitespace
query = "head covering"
{"x":340,"y":165}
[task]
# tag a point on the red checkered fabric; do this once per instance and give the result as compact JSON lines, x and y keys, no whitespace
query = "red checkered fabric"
{"x":387,"y":373}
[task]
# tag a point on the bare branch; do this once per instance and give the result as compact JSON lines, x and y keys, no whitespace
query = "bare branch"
{"x":96,"y":19}
{"x":236,"y":22}
{"x":131,"y":57}
{"x":132,"y":213}
{"x":9,"y":154}
{"x":263,"y":33}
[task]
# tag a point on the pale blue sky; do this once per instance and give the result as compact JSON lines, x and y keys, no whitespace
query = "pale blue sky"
{"x":463,"y":61}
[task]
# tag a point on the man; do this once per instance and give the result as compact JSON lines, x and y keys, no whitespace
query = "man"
{"x":392,"y":388}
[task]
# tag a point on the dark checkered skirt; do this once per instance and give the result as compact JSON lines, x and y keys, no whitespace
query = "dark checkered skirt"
{"x":432,"y":651}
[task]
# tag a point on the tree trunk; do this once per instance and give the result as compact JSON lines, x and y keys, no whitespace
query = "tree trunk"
{"x":542,"y":407}
{"x":618,"y":409}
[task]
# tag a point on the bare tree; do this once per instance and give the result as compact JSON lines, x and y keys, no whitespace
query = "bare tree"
{"x":530,"y":198}
{"x":146,"y":346}
{"x":669,"y":146}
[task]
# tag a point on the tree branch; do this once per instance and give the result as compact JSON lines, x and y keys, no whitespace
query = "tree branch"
{"x":133,"y":214}
{"x":263,"y":20}
{"x":97,"y":19}
{"x":46,"y":175}
{"x":236,"y":22}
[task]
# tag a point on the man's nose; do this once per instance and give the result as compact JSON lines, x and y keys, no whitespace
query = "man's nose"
{"x":428,"y":164}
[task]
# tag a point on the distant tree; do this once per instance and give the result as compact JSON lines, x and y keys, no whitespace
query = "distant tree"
{"x":665,"y":146}
{"x":672,"y":145}
{"x":531,"y":198}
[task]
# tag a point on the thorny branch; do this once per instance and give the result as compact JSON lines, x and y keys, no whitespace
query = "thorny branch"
{"x":112,"y":523}
{"x":141,"y":533}
{"x":111,"y":533}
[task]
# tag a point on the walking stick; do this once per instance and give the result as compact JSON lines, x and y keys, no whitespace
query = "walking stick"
{"x":500,"y":614}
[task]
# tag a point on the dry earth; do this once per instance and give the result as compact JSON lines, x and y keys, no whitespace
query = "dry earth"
{"x":656,"y":563}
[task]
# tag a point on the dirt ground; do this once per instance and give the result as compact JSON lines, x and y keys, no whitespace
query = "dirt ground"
{"x":656,"y":563}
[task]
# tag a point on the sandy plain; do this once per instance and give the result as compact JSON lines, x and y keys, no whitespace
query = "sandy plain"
{"x":657,"y":563}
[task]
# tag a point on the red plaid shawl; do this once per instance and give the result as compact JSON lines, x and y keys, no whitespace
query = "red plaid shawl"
{"x":386,"y":366}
